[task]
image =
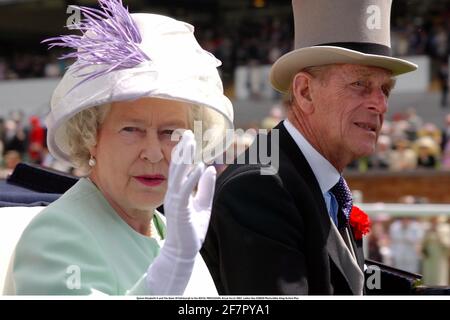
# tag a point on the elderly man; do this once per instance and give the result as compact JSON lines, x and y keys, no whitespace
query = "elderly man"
{"x":292,"y":232}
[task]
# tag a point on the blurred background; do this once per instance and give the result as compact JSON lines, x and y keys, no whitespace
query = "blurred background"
{"x":404,"y":186}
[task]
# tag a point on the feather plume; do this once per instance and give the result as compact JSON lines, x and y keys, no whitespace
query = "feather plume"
{"x":109,"y":38}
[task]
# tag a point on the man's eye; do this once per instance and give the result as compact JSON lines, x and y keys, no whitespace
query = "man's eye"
{"x":386,"y":91}
{"x":362,"y":84}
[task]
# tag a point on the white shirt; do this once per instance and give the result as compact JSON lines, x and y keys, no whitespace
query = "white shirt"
{"x":327,"y":175}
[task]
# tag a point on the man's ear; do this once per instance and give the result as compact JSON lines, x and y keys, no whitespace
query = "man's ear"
{"x":301,"y":91}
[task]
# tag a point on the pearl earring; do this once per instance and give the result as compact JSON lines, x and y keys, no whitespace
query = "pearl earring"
{"x":92,"y":162}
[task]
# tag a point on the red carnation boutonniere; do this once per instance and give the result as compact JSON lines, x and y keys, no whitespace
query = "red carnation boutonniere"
{"x":360,"y":222}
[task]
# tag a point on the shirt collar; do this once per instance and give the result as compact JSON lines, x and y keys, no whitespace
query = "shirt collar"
{"x":325,"y":173}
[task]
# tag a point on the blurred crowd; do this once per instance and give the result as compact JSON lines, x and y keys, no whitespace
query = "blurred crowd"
{"x":30,"y":65}
{"x":406,"y":142}
{"x":259,"y":41}
{"x":415,"y":244}
{"x":24,"y":140}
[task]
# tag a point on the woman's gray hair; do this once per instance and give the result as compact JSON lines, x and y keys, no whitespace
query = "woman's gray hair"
{"x":82,"y":130}
{"x":83,"y":127}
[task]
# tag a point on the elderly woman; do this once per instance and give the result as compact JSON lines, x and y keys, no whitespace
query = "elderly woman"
{"x":137,"y":80}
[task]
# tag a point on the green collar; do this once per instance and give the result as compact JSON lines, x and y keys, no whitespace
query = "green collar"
{"x":159,"y":225}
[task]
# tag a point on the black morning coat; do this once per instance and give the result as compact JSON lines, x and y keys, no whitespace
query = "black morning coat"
{"x":272,"y":234}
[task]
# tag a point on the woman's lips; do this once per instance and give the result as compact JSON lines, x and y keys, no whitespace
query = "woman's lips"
{"x":151,"y":180}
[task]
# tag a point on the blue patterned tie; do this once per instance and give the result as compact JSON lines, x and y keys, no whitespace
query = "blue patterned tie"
{"x":344,"y":198}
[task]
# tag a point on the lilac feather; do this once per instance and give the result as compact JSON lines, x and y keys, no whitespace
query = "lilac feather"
{"x":112,"y":41}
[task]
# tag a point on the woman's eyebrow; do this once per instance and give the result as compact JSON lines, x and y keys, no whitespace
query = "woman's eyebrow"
{"x":132,"y":121}
{"x":168,"y":122}
{"x":174,"y":123}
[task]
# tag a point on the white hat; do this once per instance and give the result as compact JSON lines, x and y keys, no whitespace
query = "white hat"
{"x":123,"y":56}
{"x":344,"y":31}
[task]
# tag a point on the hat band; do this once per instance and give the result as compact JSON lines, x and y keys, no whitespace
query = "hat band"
{"x":364,"y":47}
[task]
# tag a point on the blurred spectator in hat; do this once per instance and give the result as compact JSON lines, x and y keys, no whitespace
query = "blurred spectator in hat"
{"x":403,"y":157}
{"x":36,"y":137}
{"x":443,"y":79}
{"x":406,"y":237}
{"x":12,"y":158}
{"x":427,"y":152}
{"x":380,"y":229}
{"x":415,"y":123}
{"x":378,"y":240}
{"x":17,"y":116}
{"x":430,"y":130}
{"x":436,"y":252}
{"x":53,"y":67}
{"x":15,"y":138}
{"x":380,"y":159}
{"x":52,"y":70}
{"x":399,"y":128}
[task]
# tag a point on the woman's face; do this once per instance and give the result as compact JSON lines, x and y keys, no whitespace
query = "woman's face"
{"x":133,"y":152}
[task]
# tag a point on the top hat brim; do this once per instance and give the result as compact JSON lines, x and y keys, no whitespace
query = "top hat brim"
{"x":285,"y":68}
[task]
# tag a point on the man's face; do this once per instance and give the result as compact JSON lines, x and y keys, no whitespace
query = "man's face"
{"x":349,"y":106}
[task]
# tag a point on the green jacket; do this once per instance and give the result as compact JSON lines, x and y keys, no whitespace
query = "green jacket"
{"x":78,"y":245}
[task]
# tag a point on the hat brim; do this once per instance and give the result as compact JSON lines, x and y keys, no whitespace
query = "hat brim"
{"x":285,"y":68}
{"x":131,"y":84}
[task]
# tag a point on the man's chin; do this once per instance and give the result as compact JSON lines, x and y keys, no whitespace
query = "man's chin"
{"x":364,"y":151}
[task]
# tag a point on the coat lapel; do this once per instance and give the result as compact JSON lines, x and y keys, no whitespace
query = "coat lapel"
{"x":335,"y":244}
{"x":359,"y":251}
{"x":343,"y":254}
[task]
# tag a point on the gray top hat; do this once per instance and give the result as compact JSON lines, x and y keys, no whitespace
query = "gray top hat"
{"x":344,"y":31}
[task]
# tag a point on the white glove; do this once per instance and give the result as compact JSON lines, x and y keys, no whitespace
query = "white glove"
{"x":187,"y":217}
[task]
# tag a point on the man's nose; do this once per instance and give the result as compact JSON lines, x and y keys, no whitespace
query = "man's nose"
{"x":378,"y":101}
{"x":151,"y":149}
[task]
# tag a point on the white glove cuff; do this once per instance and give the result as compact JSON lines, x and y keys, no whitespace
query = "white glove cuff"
{"x":169,"y":274}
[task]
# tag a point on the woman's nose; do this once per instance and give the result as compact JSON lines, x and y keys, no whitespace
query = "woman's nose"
{"x":151,"y":148}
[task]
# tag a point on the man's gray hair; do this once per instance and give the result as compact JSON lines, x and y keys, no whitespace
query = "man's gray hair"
{"x":316,"y":71}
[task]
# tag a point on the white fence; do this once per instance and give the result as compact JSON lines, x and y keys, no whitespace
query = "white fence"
{"x":403,"y":210}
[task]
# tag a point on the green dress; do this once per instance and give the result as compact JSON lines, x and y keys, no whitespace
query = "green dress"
{"x":78,"y":245}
